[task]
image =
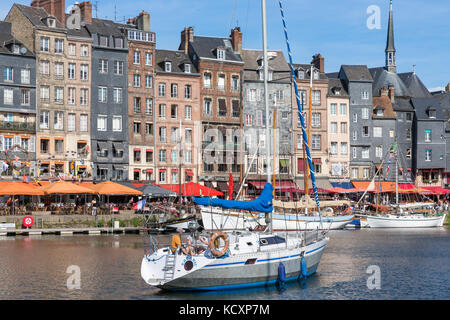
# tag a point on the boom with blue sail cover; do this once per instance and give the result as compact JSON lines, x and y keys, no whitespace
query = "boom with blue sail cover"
{"x":261,"y":204}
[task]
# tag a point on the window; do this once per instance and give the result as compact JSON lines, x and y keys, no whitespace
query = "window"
{"x":8,"y":96}
{"x":333,"y":109}
{"x":84,"y":50}
{"x":25,"y":76}
{"x":222,"y":108}
{"x":162,"y":110}
{"x":102,"y":123}
{"x":173,"y":157}
{"x":248,"y":119}
{"x":207,"y":108}
{"x":377,"y":132}
{"x":315,"y":141}
{"x":188,"y":156}
{"x":354,"y":173}
{"x":59,"y":46}
{"x":354,"y":153}
{"x":25,"y":97}
{"x":148,"y":129}
{"x":45,"y":67}
{"x":173,"y":111}
{"x":408,"y":134}
{"x":84,"y":97}
{"x":102,"y":94}
{"x":316,"y":97}
{"x":117,"y":95}
{"x":103,"y":41}
{"x":344,"y":148}
{"x":148,"y":58}
{"x":427,"y":135}
{"x":45,"y":94}
{"x":118,"y":42}
{"x":136,"y":80}
{"x":408,"y":116}
{"x":149,"y":156}
{"x":162,"y":134}
{"x":221,"y":82}
{"x":118,"y":67}
{"x":299,"y":141}
{"x":162,"y":89}
{"x":235,"y":83}
{"x":187,"y":91}
{"x":70,"y":70}
{"x":236,"y":108}
{"x":71,"y":96}
{"x":84,"y":72}
{"x":333,"y":149}
{"x":148,"y":81}
{"x":8,"y":117}
{"x":137,"y":104}
{"x":45,"y":44}
{"x":59,"y":95}
{"x":220,"y":54}
{"x":84,"y":122}
{"x":187,"y":112}
{"x":355,"y":135}
{"x":207,"y":80}
{"x":343,"y":109}
{"x":315,"y":120}
{"x":343,"y":127}
{"x":365,"y":113}
{"x":168,"y":66}
{"x":162,"y":174}
{"x":173,"y":90}
{"x":58,"y":123}
{"x":149,"y":106}
{"x":162,"y":155}
{"x":391,"y":133}
{"x":365,"y":95}
{"x":136,"y":127}
{"x":117,"y":123}
{"x":379,"y":151}
{"x":251,"y":94}
{"x":427,"y":154}
{"x":137,"y":155}
{"x":365,"y":152}
{"x":59,"y":70}
{"x":366,"y":173}
{"x":365,"y":131}
{"x":333,"y":127}
{"x":355,"y":117}
{"x":187,"y":68}
{"x":136,"y":57}
{"x":103,"y":66}
{"x":44,"y":145}
{"x":71,"y":122}
{"x":188,"y":135}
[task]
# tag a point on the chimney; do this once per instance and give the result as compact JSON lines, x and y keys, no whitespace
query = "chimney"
{"x":186,"y":35}
{"x":143,"y":21}
{"x":391,"y":93}
{"x":86,"y":11}
{"x":384,"y":92}
{"x":236,"y":39}
{"x":55,"y":8}
{"x":319,"y":62}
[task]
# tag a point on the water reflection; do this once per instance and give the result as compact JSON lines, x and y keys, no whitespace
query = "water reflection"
{"x":414,"y":264}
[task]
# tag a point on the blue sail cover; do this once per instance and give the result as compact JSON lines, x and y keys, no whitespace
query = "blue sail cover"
{"x":261,"y":204}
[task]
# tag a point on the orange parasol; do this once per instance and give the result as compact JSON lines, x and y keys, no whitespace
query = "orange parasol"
{"x":112,"y":188}
{"x":64,"y":187}
{"x":19,"y":188}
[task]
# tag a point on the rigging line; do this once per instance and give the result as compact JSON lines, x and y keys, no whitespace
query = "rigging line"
{"x":233,"y":14}
{"x":300,"y":108}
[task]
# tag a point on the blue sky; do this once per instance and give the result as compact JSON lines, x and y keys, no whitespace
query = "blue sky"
{"x":336,"y":29}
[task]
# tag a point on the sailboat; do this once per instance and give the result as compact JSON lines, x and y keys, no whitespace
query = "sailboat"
{"x":246,"y":258}
{"x":399,"y":215}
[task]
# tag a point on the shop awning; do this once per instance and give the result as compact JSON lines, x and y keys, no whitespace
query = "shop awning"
{"x":283,"y":186}
{"x":437,"y":190}
{"x":192,"y":189}
{"x":149,"y":170}
{"x":317,"y":160}
{"x":386,"y":186}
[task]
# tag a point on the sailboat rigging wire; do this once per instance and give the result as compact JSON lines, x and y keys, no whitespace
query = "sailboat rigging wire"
{"x":300,"y":108}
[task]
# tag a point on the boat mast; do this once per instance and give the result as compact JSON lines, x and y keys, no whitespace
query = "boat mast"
{"x":309,"y":128}
{"x":396,"y":178}
{"x":266,"y":97}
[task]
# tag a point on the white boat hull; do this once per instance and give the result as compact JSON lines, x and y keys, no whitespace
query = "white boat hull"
{"x":409,"y":221}
{"x":214,"y":219}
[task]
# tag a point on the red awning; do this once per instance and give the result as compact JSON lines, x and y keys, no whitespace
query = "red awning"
{"x":406,"y":186}
{"x":174,"y":170}
{"x":438,"y":190}
{"x":149,"y":170}
{"x":317,"y":160}
{"x":136,"y":170}
{"x":149,"y":150}
{"x":137,"y":149}
{"x":284,"y":186}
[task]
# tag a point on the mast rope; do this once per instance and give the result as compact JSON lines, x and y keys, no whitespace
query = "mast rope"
{"x":300,"y":114}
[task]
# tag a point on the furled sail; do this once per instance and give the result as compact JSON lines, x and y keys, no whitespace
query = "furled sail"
{"x":261,"y":204}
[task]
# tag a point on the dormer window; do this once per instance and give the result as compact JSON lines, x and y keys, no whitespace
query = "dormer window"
{"x":16,"y":49}
{"x":261,"y":75}
{"x":168,"y":66}
{"x":301,"y":74}
{"x":103,"y":41}
{"x":316,"y":75}
{"x":187,"y":68}
{"x":431,"y":113}
{"x":51,"y":22}
{"x":337,"y":91}
{"x":379,"y":111}
{"x":221,"y":54}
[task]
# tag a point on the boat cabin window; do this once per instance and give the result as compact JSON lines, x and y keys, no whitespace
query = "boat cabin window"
{"x":271,"y":240}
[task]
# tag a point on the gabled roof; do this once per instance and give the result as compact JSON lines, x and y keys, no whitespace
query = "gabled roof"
{"x":307,"y":69}
{"x":336,"y":83}
{"x":415,"y":86}
{"x":357,"y":73}
{"x":278,"y":65}
{"x":384,"y":103}
{"x":403,"y":105}
{"x":422,"y":105}
{"x":6,"y":42}
{"x":37,"y":15}
{"x":177,"y":57}
{"x":383,"y":78}
{"x":205,"y":47}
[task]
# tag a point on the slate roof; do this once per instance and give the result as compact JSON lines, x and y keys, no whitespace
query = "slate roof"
{"x":177,"y":57}
{"x":6,"y":42}
{"x":336,"y":83}
{"x":277,"y":65}
{"x":385,"y":103}
{"x":105,"y":28}
{"x":357,"y":73}
{"x":82,"y":32}
{"x":415,"y":86}
{"x":307,"y":69}
{"x":205,"y":47}
{"x":383,"y":78}
{"x":403,"y":104}
{"x":35,"y":15}
{"x":421,"y":106}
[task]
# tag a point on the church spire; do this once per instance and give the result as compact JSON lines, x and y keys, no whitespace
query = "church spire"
{"x":390,"y":48}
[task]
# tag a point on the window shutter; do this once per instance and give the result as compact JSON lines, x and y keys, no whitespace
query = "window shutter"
{"x":1,"y":144}
{"x":32,"y":144}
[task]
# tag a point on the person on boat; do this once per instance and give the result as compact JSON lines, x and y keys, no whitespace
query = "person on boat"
{"x":176,"y":240}
{"x":188,"y":248}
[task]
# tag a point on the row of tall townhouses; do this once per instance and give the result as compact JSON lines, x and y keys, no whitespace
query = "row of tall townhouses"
{"x":17,"y":103}
{"x":92,"y":98}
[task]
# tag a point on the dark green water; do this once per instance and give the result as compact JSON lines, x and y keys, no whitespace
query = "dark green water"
{"x":413,"y":264}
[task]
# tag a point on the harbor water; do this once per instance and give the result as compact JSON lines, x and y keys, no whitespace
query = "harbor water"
{"x":410,"y":264}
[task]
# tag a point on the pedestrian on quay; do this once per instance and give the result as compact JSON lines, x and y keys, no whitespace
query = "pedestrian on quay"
{"x":94,"y":207}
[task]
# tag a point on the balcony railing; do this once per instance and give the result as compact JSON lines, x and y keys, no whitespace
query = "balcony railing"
{"x":17,"y":126}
